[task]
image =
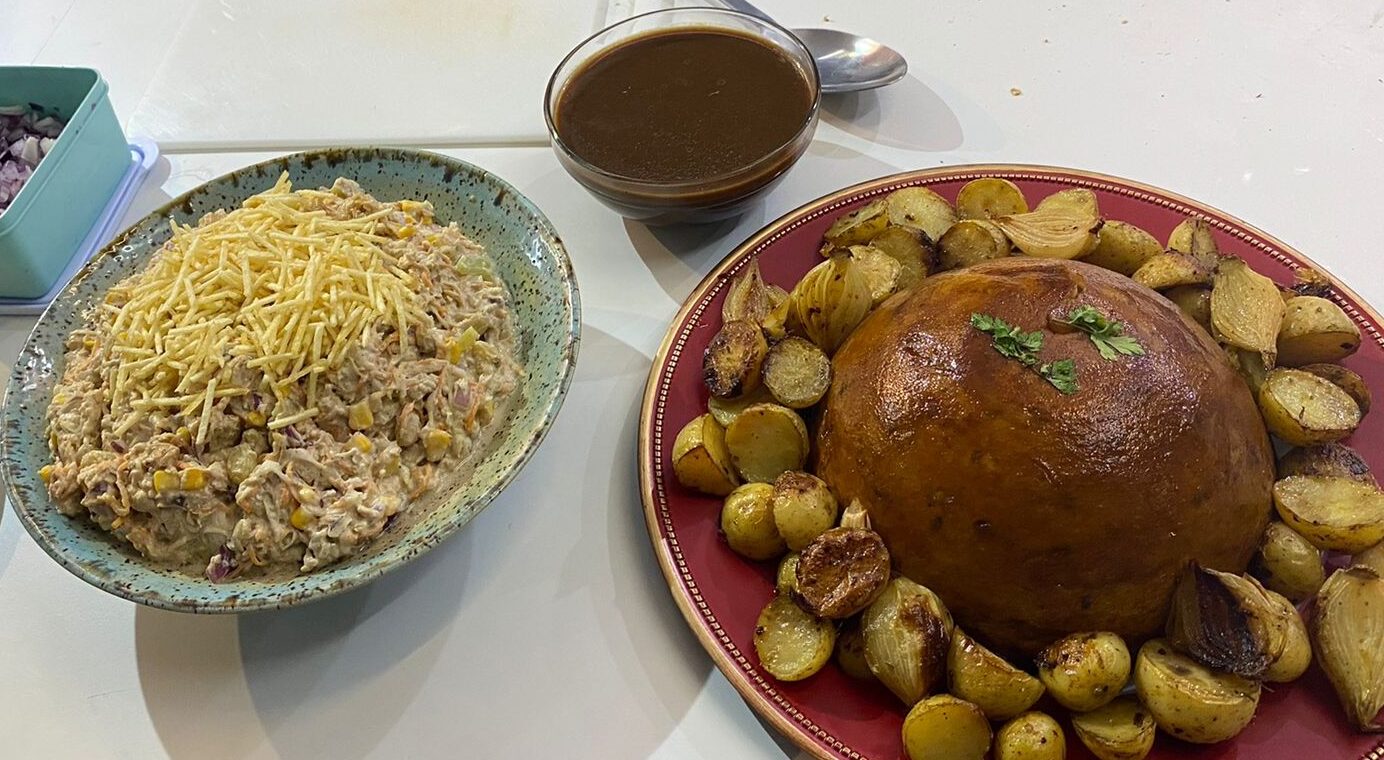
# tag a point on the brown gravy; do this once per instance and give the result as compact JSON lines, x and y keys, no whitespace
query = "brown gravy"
{"x":682,"y":105}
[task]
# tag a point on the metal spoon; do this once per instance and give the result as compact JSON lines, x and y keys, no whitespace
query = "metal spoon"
{"x":845,"y":62}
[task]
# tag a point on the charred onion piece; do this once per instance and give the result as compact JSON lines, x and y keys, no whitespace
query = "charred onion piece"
{"x":1224,"y":621}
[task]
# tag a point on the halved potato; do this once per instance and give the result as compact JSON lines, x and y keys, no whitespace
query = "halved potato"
{"x":1246,"y":310}
{"x":747,"y":520}
{"x":1052,"y":233}
{"x":1077,"y":199}
{"x":907,"y":631}
{"x":990,"y":197}
{"x":1288,"y":564}
{"x":921,"y":209}
{"x":725,"y":410}
{"x":841,"y":571}
{"x":850,"y":652}
{"x":1171,"y":269}
{"x":882,"y":272}
{"x":1121,"y":730}
{"x":1193,"y":300}
{"x":701,"y":459}
{"x":732,"y":362}
{"x":985,"y":679}
{"x":791,"y":643}
{"x":943,"y":727}
{"x":913,"y":249}
{"x":804,"y":508}
{"x":1123,"y":248}
{"x":971,"y":241}
{"x":1334,"y":514}
{"x":1188,"y":700}
{"x":1296,"y":653}
{"x":765,"y":441}
{"x":1335,"y":460}
{"x":1084,"y":670}
{"x":1304,"y":409}
{"x":1315,"y":330}
{"x":858,"y":226}
{"x":1031,"y":736}
{"x":797,"y":373}
{"x":1347,"y":381}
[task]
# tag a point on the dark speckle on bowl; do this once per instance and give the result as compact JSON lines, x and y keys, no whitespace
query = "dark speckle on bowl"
{"x":546,"y":307}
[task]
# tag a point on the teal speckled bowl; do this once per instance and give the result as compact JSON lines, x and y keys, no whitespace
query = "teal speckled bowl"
{"x":546,"y":307}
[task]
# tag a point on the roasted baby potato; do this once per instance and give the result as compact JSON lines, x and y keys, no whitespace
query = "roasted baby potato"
{"x":725,"y":410}
{"x":943,"y":727}
{"x":971,"y":241}
{"x":913,"y":249}
{"x":732,"y":361}
{"x":765,"y":441}
{"x":1031,"y":736}
{"x":747,"y":519}
{"x":1246,"y":311}
{"x":701,"y":460}
{"x":1335,"y":460}
{"x":1171,"y":269}
{"x":1288,"y":564}
{"x":907,"y":631}
{"x":1304,"y":409}
{"x":786,"y":579}
{"x":1056,"y":232}
{"x":1346,"y":380}
{"x":790,"y":642}
{"x":858,"y":226}
{"x":1123,"y":248}
{"x":1194,"y":301}
{"x":1193,"y":236}
{"x":804,"y":508}
{"x":1121,"y":730}
{"x":850,"y":652}
{"x":841,"y":571}
{"x":983,"y":678}
{"x":1075,"y":199}
{"x":797,"y":373}
{"x":1315,"y":330}
{"x":920,"y":209}
{"x":1334,"y":514}
{"x":990,"y":197}
{"x":1189,"y":701}
{"x":1084,"y":670}
{"x":882,"y":271}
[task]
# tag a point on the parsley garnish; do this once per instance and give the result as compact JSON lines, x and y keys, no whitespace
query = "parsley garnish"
{"x":1016,"y":344}
{"x":1062,"y":375}
{"x":1108,"y":336}
{"x":1009,"y":340}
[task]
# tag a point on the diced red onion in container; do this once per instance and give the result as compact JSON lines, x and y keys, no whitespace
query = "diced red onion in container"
{"x":26,"y":136}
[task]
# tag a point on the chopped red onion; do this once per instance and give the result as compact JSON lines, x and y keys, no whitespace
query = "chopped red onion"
{"x":26,"y":136}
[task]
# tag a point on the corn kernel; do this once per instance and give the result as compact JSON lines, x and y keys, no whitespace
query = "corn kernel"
{"x":362,"y":443}
{"x":184,"y":435}
{"x":359,"y":416}
{"x":255,"y":418}
{"x":194,"y":478}
{"x":405,"y":232}
{"x":435,"y":444}
{"x":166,"y":480}
{"x":300,"y":518}
{"x":46,"y":472}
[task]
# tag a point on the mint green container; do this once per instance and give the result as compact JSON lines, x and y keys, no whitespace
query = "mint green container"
{"x":47,"y":221}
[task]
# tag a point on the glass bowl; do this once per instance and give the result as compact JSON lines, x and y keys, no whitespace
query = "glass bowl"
{"x":694,"y":201}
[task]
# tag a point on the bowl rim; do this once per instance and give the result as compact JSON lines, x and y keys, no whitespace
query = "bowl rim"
{"x":809,"y":120}
{"x":757,"y":691}
{"x":374,"y":566}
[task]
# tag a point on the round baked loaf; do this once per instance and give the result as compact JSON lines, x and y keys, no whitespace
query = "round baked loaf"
{"x":1032,"y":513}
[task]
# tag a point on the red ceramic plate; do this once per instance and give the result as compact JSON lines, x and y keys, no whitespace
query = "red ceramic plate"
{"x":830,"y":715}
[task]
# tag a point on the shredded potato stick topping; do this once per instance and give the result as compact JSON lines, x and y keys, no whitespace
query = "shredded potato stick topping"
{"x":286,"y":289}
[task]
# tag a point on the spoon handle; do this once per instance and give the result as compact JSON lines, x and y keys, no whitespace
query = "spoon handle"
{"x":745,"y":7}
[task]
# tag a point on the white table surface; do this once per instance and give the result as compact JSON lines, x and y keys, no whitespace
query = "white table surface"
{"x":545,"y":629}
